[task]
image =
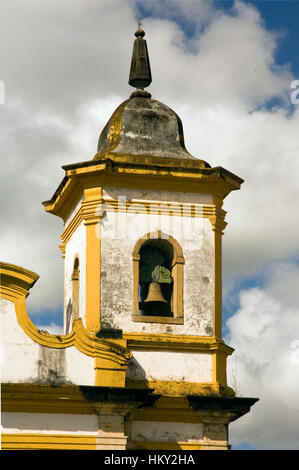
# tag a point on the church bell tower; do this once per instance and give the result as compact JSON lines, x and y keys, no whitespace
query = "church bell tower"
{"x":142,"y":240}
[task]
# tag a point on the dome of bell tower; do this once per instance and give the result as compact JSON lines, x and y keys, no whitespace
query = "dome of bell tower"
{"x":141,"y":125}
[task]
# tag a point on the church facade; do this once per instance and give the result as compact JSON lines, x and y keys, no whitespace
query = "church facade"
{"x":141,"y":363}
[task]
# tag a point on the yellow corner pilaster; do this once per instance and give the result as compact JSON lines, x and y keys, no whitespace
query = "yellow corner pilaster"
{"x":218,"y":225}
{"x":219,"y":368}
{"x":91,"y":217}
{"x":111,"y":363}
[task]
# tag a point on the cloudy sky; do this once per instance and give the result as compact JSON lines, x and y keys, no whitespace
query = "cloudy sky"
{"x":227,"y":68}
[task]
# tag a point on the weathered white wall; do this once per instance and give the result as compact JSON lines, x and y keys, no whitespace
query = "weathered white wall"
{"x":119,"y":234}
{"x":75,"y":247}
{"x":170,"y":366}
{"x":24,"y":360}
{"x":19,"y":352}
{"x":49,"y":423}
{"x":158,"y":431}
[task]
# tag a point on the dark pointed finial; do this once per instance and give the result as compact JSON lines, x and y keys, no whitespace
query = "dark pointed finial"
{"x":140,"y":73}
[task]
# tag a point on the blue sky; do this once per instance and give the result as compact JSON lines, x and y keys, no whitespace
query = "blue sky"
{"x":280,"y":16}
{"x":226,"y":68}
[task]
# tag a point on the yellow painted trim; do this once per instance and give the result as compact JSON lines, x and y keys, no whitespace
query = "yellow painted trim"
{"x":219,"y":368}
{"x":91,"y":216}
{"x":218,"y":225}
{"x":61,"y":206}
{"x":79,"y":337}
{"x":115,"y":127}
{"x":156,"y":319}
{"x":134,"y":171}
{"x":43,"y":398}
{"x":166,"y":415}
{"x":182,"y":343}
{"x":109,"y":354}
{"x":204,"y":344}
{"x":39,"y":441}
{"x":181,"y":389}
{"x":15,"y":281}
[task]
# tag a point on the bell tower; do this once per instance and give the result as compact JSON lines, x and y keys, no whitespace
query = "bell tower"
{"x":142,"y":241}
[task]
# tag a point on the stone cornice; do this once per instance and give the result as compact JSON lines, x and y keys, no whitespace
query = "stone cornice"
{"x":15,"y":281}
{"x":134,"y":171}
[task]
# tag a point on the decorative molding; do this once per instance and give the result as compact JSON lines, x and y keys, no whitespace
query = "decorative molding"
{"x":15,"y":281}
{"x":156,"y":319}
{"x":85,"y":342}
{"x":218,"y":223}
{"x":141,"y":172}
{"x":43,"y":398}
{"x":179,"y":343}
{"x":111,"y":354}
{"x":91,"y":217}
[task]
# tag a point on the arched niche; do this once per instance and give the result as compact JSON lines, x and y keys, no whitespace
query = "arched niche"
{"x":174,"y":261}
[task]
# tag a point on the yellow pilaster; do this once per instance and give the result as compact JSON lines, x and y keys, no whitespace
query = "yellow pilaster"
{"x":91,"y":217}
{"x":111,"y":362}
{"x":218,"y":225}
{"x":219,"y":368}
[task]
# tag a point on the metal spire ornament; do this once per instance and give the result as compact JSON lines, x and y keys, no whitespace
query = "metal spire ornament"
{"x":140,"y":72}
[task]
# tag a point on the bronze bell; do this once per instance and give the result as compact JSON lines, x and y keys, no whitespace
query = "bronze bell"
{"x":155,"y":293}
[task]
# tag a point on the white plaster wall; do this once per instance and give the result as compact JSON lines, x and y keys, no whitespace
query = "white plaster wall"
{"x":49,"y":423}
{"x":76,"y":246}
{"x":19,"y":352}
{"x":170,"y":366}
{"x":158,"y":431}
{"x":23,"y":360}
{"x":79,"y":367}
{"x":119,"y":234}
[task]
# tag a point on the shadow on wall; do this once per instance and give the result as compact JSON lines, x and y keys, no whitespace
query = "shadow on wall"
{"x":135,"y":373}
{"x":51,"y":366}
{"x":68,"y":317}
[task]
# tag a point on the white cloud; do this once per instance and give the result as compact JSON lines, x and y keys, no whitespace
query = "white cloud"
{"x":265,"y":364}
{"x":51,"y":328}
{"x":261,"y":148}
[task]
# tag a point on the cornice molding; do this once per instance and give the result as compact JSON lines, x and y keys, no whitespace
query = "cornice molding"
{"x":179,"y":343}
{"x":142,"y":171}
{"x":15,"y":281}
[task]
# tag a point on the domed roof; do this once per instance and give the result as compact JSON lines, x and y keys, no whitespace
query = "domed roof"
{"x":142,"y":126}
